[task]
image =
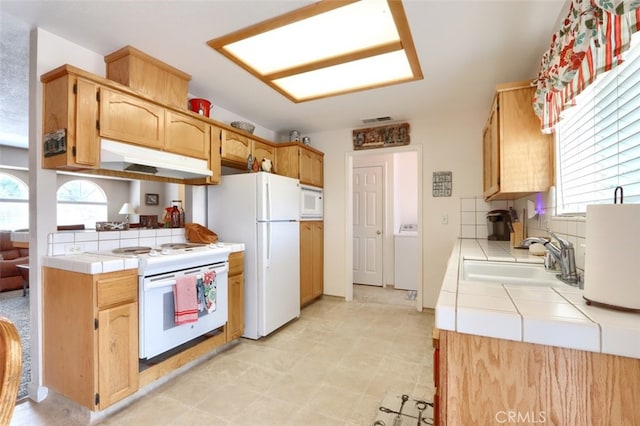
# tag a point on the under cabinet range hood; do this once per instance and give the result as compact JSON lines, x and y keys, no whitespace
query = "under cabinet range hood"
{"x":131,"y":158}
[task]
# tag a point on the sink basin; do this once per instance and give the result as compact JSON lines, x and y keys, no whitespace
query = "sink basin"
{"x":508,"y":273}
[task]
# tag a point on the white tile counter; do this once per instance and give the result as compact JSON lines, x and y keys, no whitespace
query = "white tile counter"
{"x":554,"y":315}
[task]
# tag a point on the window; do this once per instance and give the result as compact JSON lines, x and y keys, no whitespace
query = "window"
{"x":14,"y":203}
{"x":598,"y":141}
{"x":81,"y":202}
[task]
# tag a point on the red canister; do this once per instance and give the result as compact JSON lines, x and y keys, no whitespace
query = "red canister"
{"x":200,"y":106}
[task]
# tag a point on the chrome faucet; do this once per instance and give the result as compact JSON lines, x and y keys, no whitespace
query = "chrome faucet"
{"x":564,"y":255}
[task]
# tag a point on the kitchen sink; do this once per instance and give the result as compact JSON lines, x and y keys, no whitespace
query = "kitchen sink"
{"x":508,"y":273}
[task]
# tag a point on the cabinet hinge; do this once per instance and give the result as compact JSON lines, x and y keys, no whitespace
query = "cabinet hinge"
{"x":97,"y":399}
{"x":75,"y":88}
{"x":73,"y":151}
{"x":95,"y":324}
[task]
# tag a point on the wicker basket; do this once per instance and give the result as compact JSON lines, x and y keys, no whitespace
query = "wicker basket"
{"x":243,"y":125}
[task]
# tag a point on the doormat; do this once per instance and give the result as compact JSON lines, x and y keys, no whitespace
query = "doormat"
{"x":403,"y":410}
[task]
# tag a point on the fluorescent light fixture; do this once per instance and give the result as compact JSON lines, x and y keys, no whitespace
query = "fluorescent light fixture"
{"x":327,"y":48}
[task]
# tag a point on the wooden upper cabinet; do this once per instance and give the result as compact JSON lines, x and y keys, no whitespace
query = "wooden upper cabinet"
{"x":518,"y":158}
{"x":214,"y":163}
{"x":311,"y":168}
{"x":301,"y":162}
{"x":70,"y":119}
{"x":127,"y":118}
{"x":261,"y":150}
{"x":187,"y":135}
{"x":235,"y":148}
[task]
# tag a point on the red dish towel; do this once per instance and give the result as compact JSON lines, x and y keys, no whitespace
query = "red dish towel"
{"x":185,"y":300}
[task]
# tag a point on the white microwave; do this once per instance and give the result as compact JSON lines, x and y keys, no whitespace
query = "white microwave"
{"x":311,"y":203}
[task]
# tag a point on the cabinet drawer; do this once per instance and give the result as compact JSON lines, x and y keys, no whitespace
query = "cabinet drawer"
{"x":116,"y":288}
{"x":236,"y":263}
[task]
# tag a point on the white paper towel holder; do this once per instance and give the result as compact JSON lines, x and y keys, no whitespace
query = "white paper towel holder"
{"x":624,"y":301}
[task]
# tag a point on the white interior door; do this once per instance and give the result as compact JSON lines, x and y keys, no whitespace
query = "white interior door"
{"x":367,"y":225}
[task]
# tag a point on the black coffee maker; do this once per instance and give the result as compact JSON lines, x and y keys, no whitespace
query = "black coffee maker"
{"x":499,"y":223}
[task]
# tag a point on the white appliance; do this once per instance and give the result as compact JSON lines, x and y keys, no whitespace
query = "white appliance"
{"x":406,"y":257}
{"x":311,"y":203}
{"x":261,"y":210}
{"x":158,"y":270}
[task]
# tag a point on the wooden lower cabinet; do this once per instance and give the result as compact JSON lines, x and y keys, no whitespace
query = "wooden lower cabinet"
{"x":311,"y":261}
{"x":483,"y":380}
{"x":235,"y":321}
{"x":90,"y":335}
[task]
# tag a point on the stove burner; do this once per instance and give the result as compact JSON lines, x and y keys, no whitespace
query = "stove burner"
{"x":179,"y":246}
{"x":131,"y":250}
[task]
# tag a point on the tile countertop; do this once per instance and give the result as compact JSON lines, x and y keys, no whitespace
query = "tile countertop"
{"x":553,"y":315}
{"x":91,"y":263}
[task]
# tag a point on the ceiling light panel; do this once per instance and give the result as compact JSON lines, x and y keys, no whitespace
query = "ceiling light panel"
{"x":351,"y":76}
{"x":327,"y":48}
{"x":319,"y":37}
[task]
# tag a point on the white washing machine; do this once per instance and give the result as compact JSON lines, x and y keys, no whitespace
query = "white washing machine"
{"x":406,"y":257}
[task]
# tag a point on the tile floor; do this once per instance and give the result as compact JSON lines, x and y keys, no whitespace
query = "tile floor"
{"x":332,"y":366}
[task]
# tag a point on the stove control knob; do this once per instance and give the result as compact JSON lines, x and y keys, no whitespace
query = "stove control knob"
{"x":220,"y":244}
{"x":166,"y":251}
{"x":212,"y":245}
{"x":153,"y":252}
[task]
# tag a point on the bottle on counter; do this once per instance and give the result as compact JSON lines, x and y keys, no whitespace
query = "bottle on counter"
{"x":167,"y":217}
{"x":175,"y":217}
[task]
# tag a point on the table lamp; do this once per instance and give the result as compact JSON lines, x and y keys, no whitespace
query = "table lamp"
{"x":126,"y":210}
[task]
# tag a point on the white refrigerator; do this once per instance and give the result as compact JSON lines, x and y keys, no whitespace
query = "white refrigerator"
{"x":262,"y":211}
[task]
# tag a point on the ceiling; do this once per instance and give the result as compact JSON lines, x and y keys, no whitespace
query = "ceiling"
{"x":465,"y":48}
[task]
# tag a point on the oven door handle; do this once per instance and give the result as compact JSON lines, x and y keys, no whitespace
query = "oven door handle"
{"x":159,"y":284}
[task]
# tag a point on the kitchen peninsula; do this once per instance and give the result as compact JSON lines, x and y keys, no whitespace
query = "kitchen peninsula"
{"x":534,"y":352}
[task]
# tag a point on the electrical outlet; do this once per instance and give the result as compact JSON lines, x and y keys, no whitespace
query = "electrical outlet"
{"x":73,"y":249}
{"x":444,"y":219}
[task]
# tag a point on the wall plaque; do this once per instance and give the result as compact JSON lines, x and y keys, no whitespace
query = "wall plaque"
{"x":442,"y":183}
{"x":381,"y":137}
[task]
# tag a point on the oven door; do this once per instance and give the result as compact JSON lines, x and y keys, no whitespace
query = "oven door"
{"x":158,"y":330}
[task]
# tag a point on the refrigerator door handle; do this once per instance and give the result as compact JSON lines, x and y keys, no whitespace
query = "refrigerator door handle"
{"x":268,"y":199}
{"x":268,"y":263}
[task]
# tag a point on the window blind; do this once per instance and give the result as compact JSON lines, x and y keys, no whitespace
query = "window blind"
{"x":598,"y":140}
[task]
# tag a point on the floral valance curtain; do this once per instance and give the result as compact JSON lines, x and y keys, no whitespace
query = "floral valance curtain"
{"x":591,"y":40}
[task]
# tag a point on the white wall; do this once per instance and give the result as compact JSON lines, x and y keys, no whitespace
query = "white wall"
{"x":449,"y":143}
{"x":405,"y":170}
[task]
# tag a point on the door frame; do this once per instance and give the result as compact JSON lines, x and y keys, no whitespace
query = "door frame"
{"x":348,"y":279}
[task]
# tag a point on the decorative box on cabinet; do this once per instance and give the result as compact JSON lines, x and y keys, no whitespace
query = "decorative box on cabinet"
{"x":517,"y":156}
{"x":311,"y":261}
{"x":149,"y":76}
{"x":70,"y":121}
{"x":90,"y":335}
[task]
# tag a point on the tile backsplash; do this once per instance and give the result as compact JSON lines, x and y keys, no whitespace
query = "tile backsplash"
{"x":473,"y":222}
{"x":74,"y":242}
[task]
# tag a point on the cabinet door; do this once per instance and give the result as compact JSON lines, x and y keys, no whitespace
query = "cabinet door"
{"x":87,"y":145}
{"x":262,"y":150}
{"x":187,"y":135}
{"x":235,"y":321}
{"x":126,"y":118}
{"x":491,"y":154}
{"x":117,"y":353}
{"x":288,"y":161}
{"x":235,"y":148}
{"x":311,"y":168}
{"x":306,"y":262}
{"x":317,"y":251}
{"x":71,"y":103}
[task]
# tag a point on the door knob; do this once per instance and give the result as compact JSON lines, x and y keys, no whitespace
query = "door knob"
{"x":378,"y":232}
